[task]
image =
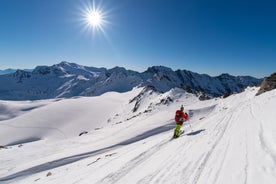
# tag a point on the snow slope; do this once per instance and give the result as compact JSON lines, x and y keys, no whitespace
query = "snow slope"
{"x":230,"y":140}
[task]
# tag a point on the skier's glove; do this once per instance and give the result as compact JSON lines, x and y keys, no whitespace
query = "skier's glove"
{"x":187,"y":115}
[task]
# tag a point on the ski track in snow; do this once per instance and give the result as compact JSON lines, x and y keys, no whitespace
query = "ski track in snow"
{"x":221,"y":163}
{"x":74,"y":158}
{"x":213,"y":147}
{"x":246,"y":162}
{"x":114,"y":177}
{"x":172,"y":165}
{"x":219,"y":132}
{"x":261,"y":134}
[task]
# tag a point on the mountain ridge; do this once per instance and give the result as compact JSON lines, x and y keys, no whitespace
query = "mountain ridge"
{"x":65,"y":80}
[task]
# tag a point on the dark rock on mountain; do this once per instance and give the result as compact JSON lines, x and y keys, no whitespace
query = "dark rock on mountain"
{"x":268,"y":84}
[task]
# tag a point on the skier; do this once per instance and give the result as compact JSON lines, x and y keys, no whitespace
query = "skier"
{"x":180,"y":116}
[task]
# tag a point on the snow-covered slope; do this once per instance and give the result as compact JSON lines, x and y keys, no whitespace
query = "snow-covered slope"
{"x":66,"y":80}
{"x":230,"y":140}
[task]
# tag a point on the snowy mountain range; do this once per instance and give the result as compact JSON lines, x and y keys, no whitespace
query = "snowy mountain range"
{"x":65,"y":80}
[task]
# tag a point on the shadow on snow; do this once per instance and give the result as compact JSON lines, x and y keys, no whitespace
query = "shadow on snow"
{"x":196,"y":132}
{"x":74,"y":158}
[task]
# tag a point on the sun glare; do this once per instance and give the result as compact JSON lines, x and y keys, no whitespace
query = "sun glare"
{"x":94,"y":18}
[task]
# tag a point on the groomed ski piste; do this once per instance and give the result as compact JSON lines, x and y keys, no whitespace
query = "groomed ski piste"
{"x":230,"y":140}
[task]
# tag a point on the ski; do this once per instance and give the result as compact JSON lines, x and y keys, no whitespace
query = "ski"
{"x":180,"y":135}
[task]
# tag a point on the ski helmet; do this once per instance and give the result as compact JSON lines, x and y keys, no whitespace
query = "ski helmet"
{"x":182,"y":108}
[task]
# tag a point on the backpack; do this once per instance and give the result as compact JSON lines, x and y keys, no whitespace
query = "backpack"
{"x":178,"y":116}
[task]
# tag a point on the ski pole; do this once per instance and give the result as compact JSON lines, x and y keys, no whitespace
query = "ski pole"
{"x":191,"y":127}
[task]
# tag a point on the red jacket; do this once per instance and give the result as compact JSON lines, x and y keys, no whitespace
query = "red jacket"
{"x":180,"y":116}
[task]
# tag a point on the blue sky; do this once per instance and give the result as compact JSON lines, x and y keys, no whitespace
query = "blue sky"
{"x":212,"y":37}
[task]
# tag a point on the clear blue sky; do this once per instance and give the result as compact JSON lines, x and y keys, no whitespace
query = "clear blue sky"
{"x":204,"y":36}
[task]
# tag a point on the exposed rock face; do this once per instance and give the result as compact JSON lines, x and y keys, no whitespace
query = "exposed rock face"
{"x":268,"y":84}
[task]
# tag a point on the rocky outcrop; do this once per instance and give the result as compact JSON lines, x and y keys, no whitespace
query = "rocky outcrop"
{"x":268,"y":84}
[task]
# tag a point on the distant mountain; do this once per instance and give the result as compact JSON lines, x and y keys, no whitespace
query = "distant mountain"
{"x":66,"y":80}
{"x":10,"y":70}
{"x":7,"y":71}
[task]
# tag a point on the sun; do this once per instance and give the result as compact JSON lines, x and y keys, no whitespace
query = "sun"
{"x":94,"y":18}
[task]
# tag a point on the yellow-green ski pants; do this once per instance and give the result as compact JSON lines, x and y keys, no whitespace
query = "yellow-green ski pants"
{"x":177,"y":129}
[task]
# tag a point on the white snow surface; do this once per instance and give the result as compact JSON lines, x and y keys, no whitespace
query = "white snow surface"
{"x":231,"y":140}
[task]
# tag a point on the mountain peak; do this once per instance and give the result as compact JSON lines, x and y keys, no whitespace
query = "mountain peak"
{"x":117,"y":69}
{"x":70,"y":65}
{"x":45,"y":70}
{"x":65,"y":63}
{"x":156,"y":69}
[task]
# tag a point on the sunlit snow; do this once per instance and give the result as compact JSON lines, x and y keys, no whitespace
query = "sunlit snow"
{"x":227,"y":141}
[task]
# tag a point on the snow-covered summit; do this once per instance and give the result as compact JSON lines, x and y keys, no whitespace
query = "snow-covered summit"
{"x":64,"y":68}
